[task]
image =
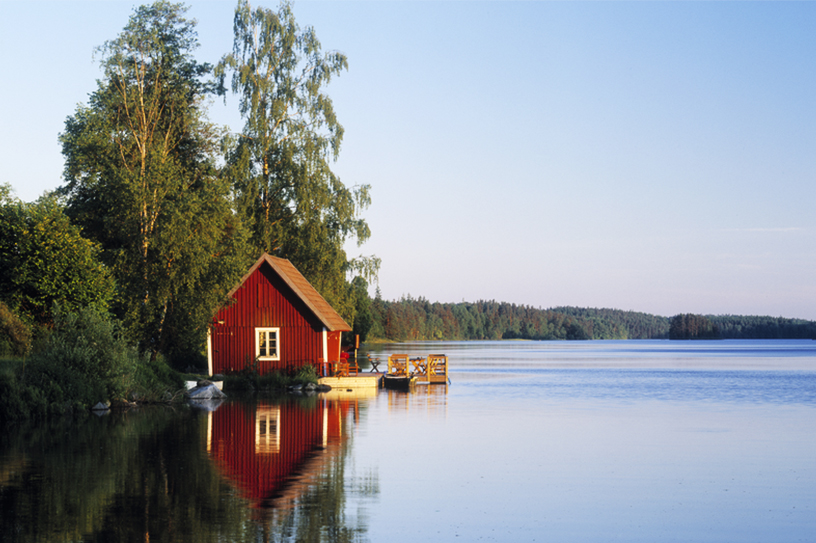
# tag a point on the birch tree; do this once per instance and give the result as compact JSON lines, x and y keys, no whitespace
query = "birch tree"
{"x":295,"y":206}
{"x":142,"y":180}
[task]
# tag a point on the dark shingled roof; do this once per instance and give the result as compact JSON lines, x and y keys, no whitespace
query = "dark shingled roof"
{"x":304,"y":290}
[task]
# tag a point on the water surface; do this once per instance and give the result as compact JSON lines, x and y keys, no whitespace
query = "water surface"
{"x":531,"y":441}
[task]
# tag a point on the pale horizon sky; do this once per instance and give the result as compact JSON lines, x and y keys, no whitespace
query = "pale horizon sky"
{"x":655,"y":157}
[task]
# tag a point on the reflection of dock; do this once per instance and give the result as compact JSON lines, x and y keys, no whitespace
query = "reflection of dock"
{"x":345,"y":393}
{"x":432,"y":400}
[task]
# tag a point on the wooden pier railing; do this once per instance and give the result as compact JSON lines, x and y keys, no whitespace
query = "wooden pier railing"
{"x":398,"y":365}
{"x":430,"y":369}
{"x":437,"y":366}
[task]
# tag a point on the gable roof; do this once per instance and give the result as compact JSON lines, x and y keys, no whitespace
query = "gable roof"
{"x":303,"y":289}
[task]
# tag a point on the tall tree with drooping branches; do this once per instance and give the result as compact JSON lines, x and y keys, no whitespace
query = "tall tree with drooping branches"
{"x":295,"y":206}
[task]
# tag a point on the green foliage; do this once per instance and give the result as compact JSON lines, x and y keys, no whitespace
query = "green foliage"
{"x":240,"y":383}
{"x":618,"y":324}
{"x":13,"y":404}
{"x":379,"y":308}
{"x":689,"y":326}
{"x":363,"y":318}
{"x":294,"y":204}
{"x":155,"y":381}
{"x":418,"y":319}
{"x":305,"y":374}
{"x":248,"y":379}
{"x":142,"y":180}
{"x":86,"y":359}
{"x":763,"y":327}
{"x":6,"y":194}
{"x":15,"y":335}
{"x":45,"y":260}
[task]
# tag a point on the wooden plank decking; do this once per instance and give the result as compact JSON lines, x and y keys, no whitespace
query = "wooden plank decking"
{"x":358,"y":381}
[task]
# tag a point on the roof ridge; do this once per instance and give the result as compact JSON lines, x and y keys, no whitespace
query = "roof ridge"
{"x":305,"y":291}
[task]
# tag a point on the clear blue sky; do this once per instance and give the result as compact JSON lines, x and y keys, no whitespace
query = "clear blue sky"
{"x":658,"y":157}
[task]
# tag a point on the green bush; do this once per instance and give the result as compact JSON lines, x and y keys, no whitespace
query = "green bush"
{"x":155,"y":380}
{"x":13,"y":407}
{"x":45,"y":260}
{"x":306,"y":374}
{"x":273,"y":381}
{"x":239,"y":383}
{"x":248,"y":379}
{"x":86,"y":359}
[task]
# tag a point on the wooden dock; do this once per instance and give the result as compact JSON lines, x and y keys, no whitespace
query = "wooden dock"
{"x":429,"y":370}
{"x":353,"y":382}
{"x":403,"y":371}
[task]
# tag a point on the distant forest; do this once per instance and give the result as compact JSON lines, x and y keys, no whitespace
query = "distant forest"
{"x":412,"y":319}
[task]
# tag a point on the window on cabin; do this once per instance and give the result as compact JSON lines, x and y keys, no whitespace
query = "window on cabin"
{"x":267,"y":343}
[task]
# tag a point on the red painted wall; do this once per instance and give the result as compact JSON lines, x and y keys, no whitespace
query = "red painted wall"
{"x":334,"y":345}
{"x":265,"y":301}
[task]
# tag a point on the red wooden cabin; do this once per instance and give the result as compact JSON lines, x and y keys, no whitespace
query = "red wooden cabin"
{"x":275,"y":318}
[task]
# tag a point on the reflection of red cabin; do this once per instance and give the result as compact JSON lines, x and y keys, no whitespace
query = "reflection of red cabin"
{"x":273,"y":452}
{"x":277,"y":318}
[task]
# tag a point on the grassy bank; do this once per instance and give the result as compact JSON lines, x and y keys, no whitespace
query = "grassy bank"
{"x":249,"y":381}
{"x":85,"y":359}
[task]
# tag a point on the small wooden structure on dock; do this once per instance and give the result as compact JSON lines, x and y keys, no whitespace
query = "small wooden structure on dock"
{"x":404,"y":371}
{"x":399,"y":374}
{"x":436,"y":369}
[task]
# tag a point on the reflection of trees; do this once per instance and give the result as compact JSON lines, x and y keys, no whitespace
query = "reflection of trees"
{"x":121,"y":477}
{"x":321,"y":512}
{"x":146,"y":476}
{"x":170,"y":492}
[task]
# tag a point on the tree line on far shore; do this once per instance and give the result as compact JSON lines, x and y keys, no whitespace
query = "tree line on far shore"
{"x":417,"y":319}
{"x":689,"y":326}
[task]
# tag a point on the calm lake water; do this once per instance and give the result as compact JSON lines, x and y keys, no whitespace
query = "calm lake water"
{"x":531,"y":441}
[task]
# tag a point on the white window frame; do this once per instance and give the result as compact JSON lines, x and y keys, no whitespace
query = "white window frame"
{"x":268,"y":332}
